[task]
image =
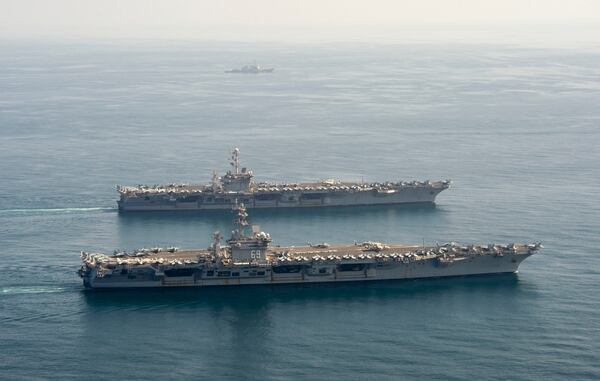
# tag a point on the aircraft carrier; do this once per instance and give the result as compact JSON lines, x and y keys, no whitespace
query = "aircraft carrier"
{"x":248,"y":258}
{"x":237,"y":184}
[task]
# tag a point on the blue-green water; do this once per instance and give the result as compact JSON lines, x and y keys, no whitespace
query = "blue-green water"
{"x":518,"y":131}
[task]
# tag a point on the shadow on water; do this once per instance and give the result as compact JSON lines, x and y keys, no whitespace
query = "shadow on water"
{"x":289,"y":227}
{"x":261,"y":295}
{"x":298,"y":214}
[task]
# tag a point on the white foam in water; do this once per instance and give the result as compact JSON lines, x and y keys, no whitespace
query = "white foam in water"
{"x":31,"y":290}
{"x":55,"y":210}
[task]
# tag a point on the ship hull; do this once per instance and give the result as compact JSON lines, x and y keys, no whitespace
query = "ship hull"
{"x":361,"y":272}
{"x":256,"y":201}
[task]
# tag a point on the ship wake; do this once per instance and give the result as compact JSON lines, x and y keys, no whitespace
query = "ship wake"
{"x":30,"y":290}
{"x":55,"y":211}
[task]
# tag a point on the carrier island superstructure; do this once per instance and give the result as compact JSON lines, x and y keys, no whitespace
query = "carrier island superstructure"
{"x":248,"y":258}
{"x":238,"y":184}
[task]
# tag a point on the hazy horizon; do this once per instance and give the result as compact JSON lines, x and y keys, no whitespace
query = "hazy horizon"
{"x":535,"y":22}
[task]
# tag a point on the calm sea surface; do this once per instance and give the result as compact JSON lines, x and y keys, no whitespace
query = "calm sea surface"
{"x":517,"y":130}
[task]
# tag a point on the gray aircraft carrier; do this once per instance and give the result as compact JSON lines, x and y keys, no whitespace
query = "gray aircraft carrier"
{"x":237,"y":184}
{"x":249,"y":259}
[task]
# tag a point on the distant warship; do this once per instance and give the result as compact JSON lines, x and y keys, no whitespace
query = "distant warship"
{"x":249,"y":259}
{"x":251,"y":69}
{"x":237,"y":184}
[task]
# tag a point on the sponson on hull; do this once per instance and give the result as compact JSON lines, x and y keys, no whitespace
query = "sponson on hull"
{"x":248,"y":258}
{"x":238,"y":184}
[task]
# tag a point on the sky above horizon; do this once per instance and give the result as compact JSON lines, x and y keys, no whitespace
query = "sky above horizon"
{"x":309,"y":20}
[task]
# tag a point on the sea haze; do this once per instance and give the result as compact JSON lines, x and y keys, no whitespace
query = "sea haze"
{"x":516,"y":129}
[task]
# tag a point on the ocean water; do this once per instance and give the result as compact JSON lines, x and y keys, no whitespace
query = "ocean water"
{"x":517,"y":130}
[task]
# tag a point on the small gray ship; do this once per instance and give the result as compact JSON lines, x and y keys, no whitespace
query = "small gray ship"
{"x":248,"y":258}
{"x":238,"y":184}
{"x":251,"y":69}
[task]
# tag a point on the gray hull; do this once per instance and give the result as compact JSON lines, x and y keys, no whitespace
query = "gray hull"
{"x":237,"y":186}
{"x":409,"y":195}
{"x":249,"y":259}
{"x":369,"y":271}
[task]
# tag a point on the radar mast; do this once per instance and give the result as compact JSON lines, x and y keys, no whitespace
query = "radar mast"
{"x":240,"y":221}
{"x":237,"y":179}
{"x":235,"y":160}
{"x":216,"y":181}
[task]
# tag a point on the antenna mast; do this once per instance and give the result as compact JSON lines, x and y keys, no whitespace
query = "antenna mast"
{"x":216,"y":183}
{"x":241,"y":219}
{"x":235,"y":160}
{"x":216,"y":246}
